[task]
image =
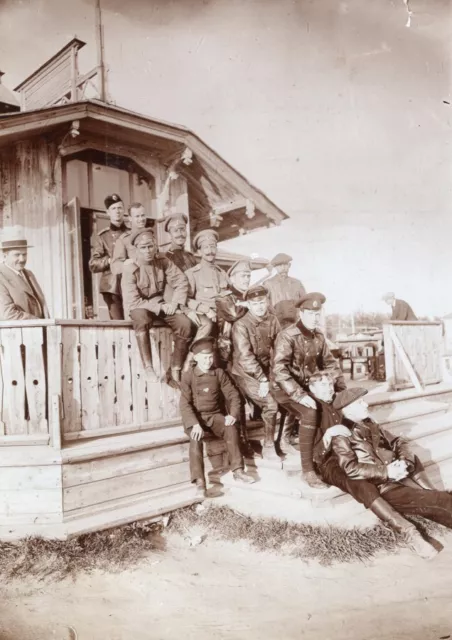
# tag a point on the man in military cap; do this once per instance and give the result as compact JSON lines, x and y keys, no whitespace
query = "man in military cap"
{"x":401,"y":310}
{"x":205,"y":393}
{"x":300,"y":351}
{"x":232,"y":307}
{"x":102,"y":256}
{"x":124,"y":250}
{"x":21,"y":297}
{"x":285,"y":292}
{"x":207,"y":282}
{"x":143,"y":285}
{"x":253,"y":338}
{"x":175,"y":225}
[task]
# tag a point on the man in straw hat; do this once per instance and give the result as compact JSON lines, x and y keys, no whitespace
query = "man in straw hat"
{"x":379,"y":470}
{"x":21,"y":297}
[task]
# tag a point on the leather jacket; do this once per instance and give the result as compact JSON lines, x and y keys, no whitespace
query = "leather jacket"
{"x":366,"y":453}
{"x":253,"y":340}
{"x":229,"y":310}
{"x":299,"y":353}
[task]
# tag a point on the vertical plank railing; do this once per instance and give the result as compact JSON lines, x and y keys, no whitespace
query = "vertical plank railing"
{"x":23,"y":382}
{"x":413,"y":352}
{"x":104,"y":389}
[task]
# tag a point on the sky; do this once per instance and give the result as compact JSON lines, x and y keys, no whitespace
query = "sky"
{"x":337,"y":110}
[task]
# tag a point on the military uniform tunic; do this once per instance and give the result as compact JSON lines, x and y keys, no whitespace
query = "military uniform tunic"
{"x":207,"y":282}
{"x":102,"y":255}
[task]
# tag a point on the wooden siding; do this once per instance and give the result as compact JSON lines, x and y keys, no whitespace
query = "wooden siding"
{"x":30,"y":189}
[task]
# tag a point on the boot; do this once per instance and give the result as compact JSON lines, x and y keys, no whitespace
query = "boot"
{"x":313,"y":480}
{"x":268,"y":448}
{"x":385,"y":512}
{"x":242,"y":477}
{"x":286,"y":445}
{"x":200,"y":489}
{"x":421,"y":478}
{"x":144,"y":347}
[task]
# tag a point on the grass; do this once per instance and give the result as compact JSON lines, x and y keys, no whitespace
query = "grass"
{"x":114,"y":550}
{"x":125,"y":547}
{"x":324,"y":544}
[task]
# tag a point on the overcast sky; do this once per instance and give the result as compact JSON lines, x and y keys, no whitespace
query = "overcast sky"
{"x":336,"y":110}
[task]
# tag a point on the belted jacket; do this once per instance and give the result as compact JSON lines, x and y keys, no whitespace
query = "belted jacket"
{"x":366,"y":453}
{"x":144,"y":285}
{"x":207,"y":282}
{"x":102,"y":255}
{"x":124,"y":249}
{"x":298,"y":354}
{"x":253,"y":340}
{"x":207,"y":393}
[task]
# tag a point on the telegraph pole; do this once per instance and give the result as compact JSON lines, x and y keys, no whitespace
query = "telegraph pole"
{"x":100,"y":52}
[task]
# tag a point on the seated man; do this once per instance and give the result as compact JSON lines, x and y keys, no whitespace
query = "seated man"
{"x":253,"y":338}
{"x":207,"y":283}
{"x":205,"y":391}
{"x":300,"y":351}
{"x":376,"y":468}
{"x":232,"y":307}
{"x":143,"y":285}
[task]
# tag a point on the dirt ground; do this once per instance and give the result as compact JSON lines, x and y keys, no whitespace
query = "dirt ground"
{"x":227,"y":590}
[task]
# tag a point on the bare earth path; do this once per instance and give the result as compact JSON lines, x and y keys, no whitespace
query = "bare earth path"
{"x":224,"y":590}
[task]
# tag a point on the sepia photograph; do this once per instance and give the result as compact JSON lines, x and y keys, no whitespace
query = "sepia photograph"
{"x":225,"y":320}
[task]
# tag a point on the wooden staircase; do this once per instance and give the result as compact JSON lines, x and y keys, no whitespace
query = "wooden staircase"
{"x":423,"y":418}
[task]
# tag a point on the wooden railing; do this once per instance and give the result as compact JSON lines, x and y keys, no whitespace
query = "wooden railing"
{"x":413,"y":352}
{"x":68,"y":379}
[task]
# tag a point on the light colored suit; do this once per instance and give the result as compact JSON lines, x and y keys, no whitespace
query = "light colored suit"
{"x":20,"y":299}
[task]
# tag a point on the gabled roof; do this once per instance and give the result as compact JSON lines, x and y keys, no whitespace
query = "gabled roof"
{"x":220,"y":181}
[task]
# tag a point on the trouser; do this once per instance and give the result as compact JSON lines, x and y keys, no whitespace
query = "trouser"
{"x":308,"y":421}
{"x":182,"y":328}
{"x":407,"y":500}
{"x":114,"y":304}
{"x":206,"y":328}
{"x":268,"y":405}
{"x":214,"y":423}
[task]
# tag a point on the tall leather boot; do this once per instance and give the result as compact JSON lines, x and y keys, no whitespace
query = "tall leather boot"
{"x":144,"y":347}
{"x":268,"y":448}
{"x":385,"y":512}
{"x":286,"y":445}
{"x":421,"y":478}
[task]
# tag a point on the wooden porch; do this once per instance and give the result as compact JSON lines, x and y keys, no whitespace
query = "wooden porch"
{"x":87,"y":443}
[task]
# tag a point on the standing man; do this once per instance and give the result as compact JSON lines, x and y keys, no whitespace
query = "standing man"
{"x":143,"y":287}
{"x":124,"y":250}
{"x":232,"y":306}
{"x":253,"y":338}
{"x":21,"y":297}
{"x":285,"y":292}
{"x":102,"y":255}
{"x":207,"y":283}
{"x":210,"y":403}
{"x":176,"y":226}
{"x":401,"y":310}
{"x":301,"y":351}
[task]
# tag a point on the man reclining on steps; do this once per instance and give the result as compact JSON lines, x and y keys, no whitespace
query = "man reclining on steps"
{"x":379,"y":470}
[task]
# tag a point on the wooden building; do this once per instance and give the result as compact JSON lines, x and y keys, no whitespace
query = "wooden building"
{"x":85,"y":442}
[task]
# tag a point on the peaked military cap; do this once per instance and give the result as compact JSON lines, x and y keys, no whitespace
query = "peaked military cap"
{"x":281,"y":258}
{"x":240,"y":265}
{"x":256,"y":293}
{"x":135,"y":235}
{"x":348,"y":396}
{"x":174,"y":217}
{"x":113,"y":199}
{"x":203,"y":236}
{"x":312,"y":301}
{"x":203,"y":345}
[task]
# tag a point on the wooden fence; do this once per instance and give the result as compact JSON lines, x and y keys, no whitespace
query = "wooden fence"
{"x":413,"y":352}
{"x":80,"y":379}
